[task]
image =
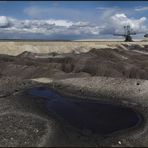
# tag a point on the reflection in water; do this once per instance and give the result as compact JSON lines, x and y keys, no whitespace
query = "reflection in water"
{"x":98,"y":117}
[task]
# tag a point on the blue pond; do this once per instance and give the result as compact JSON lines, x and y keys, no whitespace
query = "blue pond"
{"x":99,"y":118}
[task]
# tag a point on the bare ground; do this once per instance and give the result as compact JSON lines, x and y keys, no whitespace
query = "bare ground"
{"x":85,"y":64}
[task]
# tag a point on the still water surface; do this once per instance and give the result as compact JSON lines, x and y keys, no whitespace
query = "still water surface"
{"x":99,"y":118}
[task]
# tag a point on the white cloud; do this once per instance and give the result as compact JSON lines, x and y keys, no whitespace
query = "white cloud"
{"x":63,"y":23}
{"x":141,"y":9}
{"x":48,"y":27}
{"x":57,"y":27}
{"x":108,"y":8}
{"x":4,"y":21}
{"x":116,"y":23}
{"x":39,"y":12}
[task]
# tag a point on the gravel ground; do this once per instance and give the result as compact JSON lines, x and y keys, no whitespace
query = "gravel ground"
{"x":24,"y":120}
{"x":128,"y":92}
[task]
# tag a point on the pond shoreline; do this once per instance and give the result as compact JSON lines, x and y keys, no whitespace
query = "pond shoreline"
{"x":73,"y":109}
{"x":118,"y":90}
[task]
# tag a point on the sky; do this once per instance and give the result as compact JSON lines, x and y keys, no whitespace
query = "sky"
{"x":73,"y":20}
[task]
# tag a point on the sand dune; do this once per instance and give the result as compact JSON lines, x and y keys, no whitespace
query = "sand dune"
{"x":15,"y":48}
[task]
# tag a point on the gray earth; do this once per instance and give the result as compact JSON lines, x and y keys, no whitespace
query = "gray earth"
{"x":110,"y":73}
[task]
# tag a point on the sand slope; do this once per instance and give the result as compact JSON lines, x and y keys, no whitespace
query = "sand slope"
{"x":15,"y":48}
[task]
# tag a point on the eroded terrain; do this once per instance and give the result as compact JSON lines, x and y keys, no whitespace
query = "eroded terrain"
{"x":113,"y":70}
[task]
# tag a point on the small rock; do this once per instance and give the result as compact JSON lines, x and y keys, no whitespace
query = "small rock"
{"x":36,"y":130}
{"x":119,"y":142}
{"x":25,"y":142}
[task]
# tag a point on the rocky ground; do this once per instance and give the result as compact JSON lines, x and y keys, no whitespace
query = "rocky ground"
{"x":119,"y":60}
{"x":84,"y":68}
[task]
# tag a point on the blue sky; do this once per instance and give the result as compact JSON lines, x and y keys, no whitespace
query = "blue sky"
{"x":71,"y":20}
{"x":16,"y":8}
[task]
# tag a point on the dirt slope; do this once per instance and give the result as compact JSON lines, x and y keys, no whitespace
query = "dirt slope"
{"x":15,"y":48}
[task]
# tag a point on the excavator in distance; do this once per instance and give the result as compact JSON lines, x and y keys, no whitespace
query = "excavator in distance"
{"x":127,"y":34}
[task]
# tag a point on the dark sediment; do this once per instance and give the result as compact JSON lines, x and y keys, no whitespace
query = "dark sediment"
{"x":25,"y":121}
{"x":97,"y":117}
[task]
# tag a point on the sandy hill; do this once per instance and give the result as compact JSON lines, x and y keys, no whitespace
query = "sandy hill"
{"x":15,"y":48}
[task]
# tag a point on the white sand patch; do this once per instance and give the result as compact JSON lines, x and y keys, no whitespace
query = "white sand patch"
{"x":43,"y":80}
{"x":16,"y":48}
{"x":141,"y":52}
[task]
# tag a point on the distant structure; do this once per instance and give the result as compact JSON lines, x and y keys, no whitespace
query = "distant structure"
{"x":145,"y":38}
{"x":127,"y":33}
{"x":146,"y":35}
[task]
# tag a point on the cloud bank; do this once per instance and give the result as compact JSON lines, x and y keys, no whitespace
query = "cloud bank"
{"x":139,"y":9}
{"x":116,"y":23}
{"x":58,"y":28}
